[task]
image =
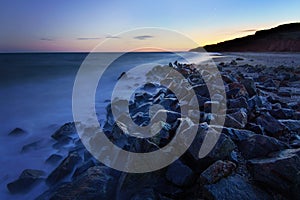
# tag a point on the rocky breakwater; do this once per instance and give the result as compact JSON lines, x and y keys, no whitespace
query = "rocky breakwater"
{"x":257,"y":154}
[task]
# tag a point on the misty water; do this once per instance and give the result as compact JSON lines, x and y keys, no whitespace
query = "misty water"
{"x":36,"y":96}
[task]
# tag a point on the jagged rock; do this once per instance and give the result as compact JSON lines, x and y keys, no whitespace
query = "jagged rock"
{"x":279,"y":171}
{"x":237,"y":135}
{"x":259,"y":103}
{"x":255,"y":128}
{"x":236,"y":120}
{"x":32,"y":146}
{"x":180,"y":174}
{"x":53,"y":159}
{"x":82,"y":168}
{"x":17,"y":132}
{"x":292,"y":125}
{"x":233,"y":187}
{"x":64,"y":168}
{"x":217,"y":171}
{"x":282,"y":113}
{"x":240,"y":102}
{"x":95,"y":183}
{"x":249,"y":84}
{"x":272,"y":126}
{"x":26,"y":181}
{"x":65,"y":131}
{"x":147,"y":193}
{"x":220,"y":151}
{"x":260,"y":145}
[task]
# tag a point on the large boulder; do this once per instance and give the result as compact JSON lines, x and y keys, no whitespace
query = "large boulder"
{"x":26,"y":181}
{"x":279,"y":171}
{"x":259,"y":145}
{"x":64,"y":169}
{"x":95,"y":183}
{"x":217,"y":171}
{"x":221,"y":150}
{"x":233,"y":187}
{"x":272,"y":126}
{"x":179,"y":174}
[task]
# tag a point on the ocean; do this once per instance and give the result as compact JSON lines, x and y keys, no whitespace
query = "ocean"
{"x":36,"y":96}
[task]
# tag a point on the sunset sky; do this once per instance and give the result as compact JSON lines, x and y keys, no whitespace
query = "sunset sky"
{"x":56,"y":25}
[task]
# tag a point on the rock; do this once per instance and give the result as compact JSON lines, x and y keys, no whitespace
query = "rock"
{"x":64,"y":169}
{"x":249,"y":84}
{"x":233,"y":187}
{"x":220,"y":151}
{"x":26,"y":181}
{"x":282,"y":113}
{"x":217,"y":171}
{"x":236,"y":135}
{"x":279,"y":171}
{"x":95,"y":183}
{"x":236,"y":120}
{"x":272,"y":126}
{"x":121,"y":75}
{"x":292,"y":125}
{"x":65,"y":131}
{"x":235,"y":90}
{"x":180,"y":174}
{"x":17,"y":132}
{"x":259,"y":146}
{"x":147,"y":193}
{"x":240,"y":102}
{"x":81,"y":169}
{"x":53,"y":159}
{"x":259,"y":103}
{"x":239,"y":59}
{"x":255,"y":128}
{"x":32,"y":146}
{"x":208,"y":105}
{"x":233,"y":62}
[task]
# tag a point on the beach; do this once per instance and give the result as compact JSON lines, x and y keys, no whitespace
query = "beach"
{"x":260,"y":134}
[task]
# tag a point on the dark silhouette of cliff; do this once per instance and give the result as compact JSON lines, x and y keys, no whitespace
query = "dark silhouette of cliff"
{"x":283,"y":38}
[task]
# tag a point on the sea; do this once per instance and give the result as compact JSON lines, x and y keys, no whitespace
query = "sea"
{"x":36,"y":96}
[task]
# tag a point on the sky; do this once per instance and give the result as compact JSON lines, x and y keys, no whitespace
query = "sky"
{"x":77,"y":25}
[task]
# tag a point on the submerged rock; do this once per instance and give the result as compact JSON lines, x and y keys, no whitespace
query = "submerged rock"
{"x":27,"y":180}
{"x":64,"y":169}
{"x":17,"y":132}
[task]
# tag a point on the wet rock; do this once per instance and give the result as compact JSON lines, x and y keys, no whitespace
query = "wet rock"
{"x":53,"y":159}
{"x":217,"y":171}
{"x":239,"y":59}
{"x":65,"y":131}
{"x":249,"y":84}
{"x":260,"y":145}
{"x":233,"y":62}
{"x":123,"y":74}
{"x":26,"y":181}
{"x":279,"y":171}
{"x":180,"y":174}
{"x":17,"y":132}
{"x":32,"y":146}
{"x":84,"y":167}
{"x":95,"y":183}
{"x":233,"y":187}
{"x":272,"y":126}
{"x":64,"y":169}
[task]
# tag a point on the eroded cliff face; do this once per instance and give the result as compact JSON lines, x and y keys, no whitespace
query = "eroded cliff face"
{"x":284,"y":38}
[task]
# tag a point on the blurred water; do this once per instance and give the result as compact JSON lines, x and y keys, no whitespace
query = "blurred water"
{"x":36,"y":95}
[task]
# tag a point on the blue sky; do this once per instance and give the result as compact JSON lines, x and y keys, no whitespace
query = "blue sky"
{"x":56,"y":25}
